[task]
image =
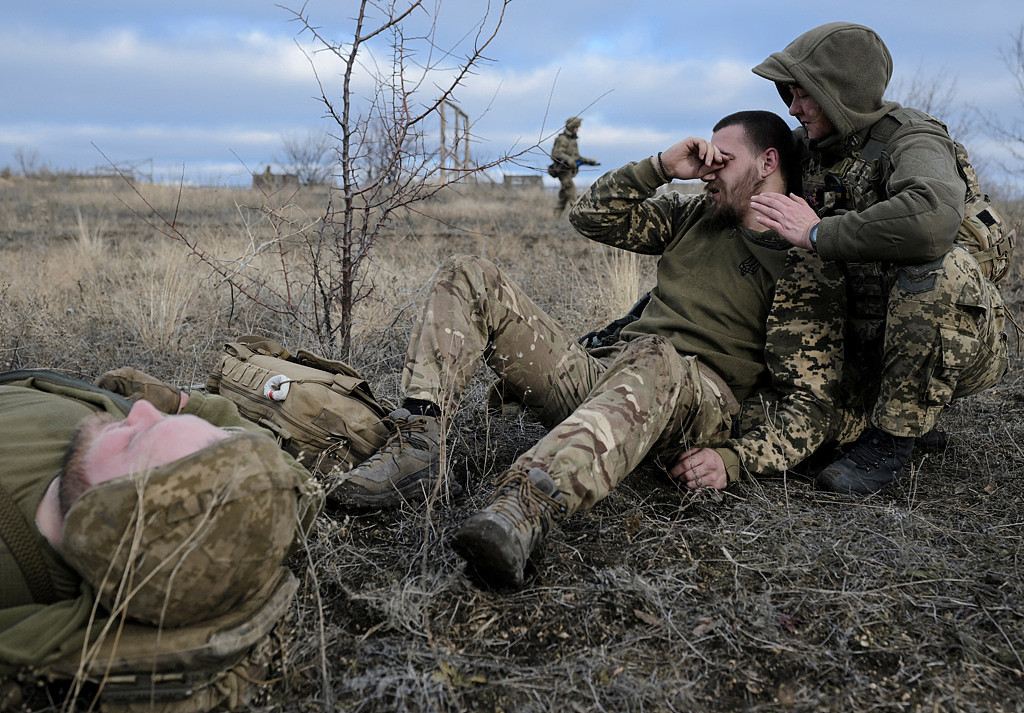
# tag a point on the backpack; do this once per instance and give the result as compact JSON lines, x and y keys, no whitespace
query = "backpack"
{"x":322,"y":411}
{"x":983,"y":231}
{"x":559,"y":168}
{"x":859,"y":181}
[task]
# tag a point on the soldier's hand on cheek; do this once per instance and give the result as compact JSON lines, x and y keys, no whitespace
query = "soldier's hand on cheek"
{"x":700,"y":468}
{"x":789,"y":216}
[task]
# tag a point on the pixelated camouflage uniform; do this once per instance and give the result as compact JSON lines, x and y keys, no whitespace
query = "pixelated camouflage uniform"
{"x":674,"y":381}
{"x":565,"y":155}
{"x":38,"y":417}
{"x":925,"y":326}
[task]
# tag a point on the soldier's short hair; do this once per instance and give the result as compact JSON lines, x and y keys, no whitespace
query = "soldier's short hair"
{"x":766,"y":130}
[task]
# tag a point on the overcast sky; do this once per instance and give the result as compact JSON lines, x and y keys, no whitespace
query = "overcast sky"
{"x":209,"y":89}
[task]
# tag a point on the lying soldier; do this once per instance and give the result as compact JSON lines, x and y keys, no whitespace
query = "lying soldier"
{"x":165,"y":519}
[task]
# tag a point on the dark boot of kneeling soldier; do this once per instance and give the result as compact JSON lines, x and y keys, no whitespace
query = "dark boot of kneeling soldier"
{"x":876,"y":459}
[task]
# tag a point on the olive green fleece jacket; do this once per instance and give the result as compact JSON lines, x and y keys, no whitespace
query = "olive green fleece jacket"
{"x":766,"y":319}
{"x":846,"y":69}
{"x":38,"y":415}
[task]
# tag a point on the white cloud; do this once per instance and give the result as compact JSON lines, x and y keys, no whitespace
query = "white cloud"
{"x":198,"y":80}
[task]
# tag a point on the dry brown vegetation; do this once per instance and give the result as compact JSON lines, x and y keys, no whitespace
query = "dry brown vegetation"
{"x":770,"y":596}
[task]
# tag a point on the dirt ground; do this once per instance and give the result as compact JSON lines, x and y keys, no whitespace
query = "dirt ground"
{"x":769,"y":596}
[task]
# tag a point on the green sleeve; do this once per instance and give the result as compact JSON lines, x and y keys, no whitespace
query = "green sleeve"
{"x":919,"y":220}
{"x":732,"y":463}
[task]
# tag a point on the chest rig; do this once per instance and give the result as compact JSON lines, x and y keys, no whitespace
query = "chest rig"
{"x":855,"y":182}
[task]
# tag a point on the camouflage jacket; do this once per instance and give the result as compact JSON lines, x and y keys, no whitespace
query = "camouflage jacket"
{"x":767,"y":319}
{"x":37,"y":420}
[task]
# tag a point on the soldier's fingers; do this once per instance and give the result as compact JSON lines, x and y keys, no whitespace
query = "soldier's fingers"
{"x":694,"y":482}
{"x":775,"y":200}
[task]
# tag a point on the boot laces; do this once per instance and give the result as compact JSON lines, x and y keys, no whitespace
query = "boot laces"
{"x":874,"y":450}
{"x":518,"y":499}
{"x":411,"y":432}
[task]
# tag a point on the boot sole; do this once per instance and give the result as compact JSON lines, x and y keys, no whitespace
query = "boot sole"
{"x":839,"y":480}
{"x":478,"y":542}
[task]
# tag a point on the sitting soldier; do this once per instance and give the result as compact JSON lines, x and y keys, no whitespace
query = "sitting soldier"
{"x":737,"y":317}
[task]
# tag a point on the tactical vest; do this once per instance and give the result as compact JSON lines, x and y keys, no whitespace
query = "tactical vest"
{"x":858,"y":181}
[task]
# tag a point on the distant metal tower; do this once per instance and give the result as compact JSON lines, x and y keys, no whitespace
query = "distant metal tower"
{"x":454,"y":141}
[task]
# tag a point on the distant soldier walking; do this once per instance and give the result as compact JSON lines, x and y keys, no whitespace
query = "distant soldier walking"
{"x":566,"y":162}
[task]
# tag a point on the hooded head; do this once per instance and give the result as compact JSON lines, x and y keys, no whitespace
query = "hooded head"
{"x":189,"y":540}
{"x":572,"y":124}
{"x":844,"y":67}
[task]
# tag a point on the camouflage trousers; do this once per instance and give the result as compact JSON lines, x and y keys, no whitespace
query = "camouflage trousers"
{"x":936,"y":335}
{"x":606,"y":414}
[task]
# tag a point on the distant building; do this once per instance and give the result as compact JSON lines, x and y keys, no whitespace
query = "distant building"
{"x":270,"y":182}
{"x":531,"y":180}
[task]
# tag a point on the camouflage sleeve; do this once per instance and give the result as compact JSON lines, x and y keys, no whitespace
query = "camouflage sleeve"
{"x":620,"y":209}
{"x":804,"y":353}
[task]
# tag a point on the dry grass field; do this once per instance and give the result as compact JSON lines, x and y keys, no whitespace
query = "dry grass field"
{"x":770,"y":596}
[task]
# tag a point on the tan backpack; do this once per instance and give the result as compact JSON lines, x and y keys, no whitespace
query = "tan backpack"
{"x":321,"y":410}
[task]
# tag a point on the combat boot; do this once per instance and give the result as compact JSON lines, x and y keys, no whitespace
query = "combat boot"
{"x":876,"y":460}
{"x":401,"y":471}
{"x":934,"y":441}
{"x":497,"y":541}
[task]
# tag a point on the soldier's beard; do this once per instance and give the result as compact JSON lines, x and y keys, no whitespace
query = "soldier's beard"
{"x":722,"y":217}
{"x":731,"y":210}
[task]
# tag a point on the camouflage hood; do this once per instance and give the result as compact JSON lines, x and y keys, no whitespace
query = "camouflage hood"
{"x":189,"y":540}
{"x":844,"y":67}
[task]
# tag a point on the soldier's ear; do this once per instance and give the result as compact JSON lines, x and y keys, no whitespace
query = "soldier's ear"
{"x":768,"y":162}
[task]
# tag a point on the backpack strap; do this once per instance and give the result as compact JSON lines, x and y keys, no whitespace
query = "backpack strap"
{"x":885,"y":127}
{"x":22,"y":541}
{"x":879,"y":137}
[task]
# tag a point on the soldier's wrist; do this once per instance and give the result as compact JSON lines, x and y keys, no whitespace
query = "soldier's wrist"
{"x":660,"y":166}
